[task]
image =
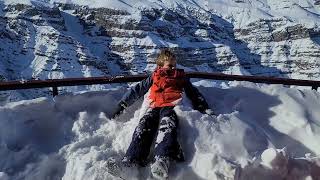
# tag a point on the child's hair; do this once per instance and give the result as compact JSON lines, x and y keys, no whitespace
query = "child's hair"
{"x":165,"y":55}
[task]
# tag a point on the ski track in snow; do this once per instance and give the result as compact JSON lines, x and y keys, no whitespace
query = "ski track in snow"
{"x":69,"y":137}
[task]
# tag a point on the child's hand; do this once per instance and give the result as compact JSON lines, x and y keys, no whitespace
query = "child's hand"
{"x":119,"y":109}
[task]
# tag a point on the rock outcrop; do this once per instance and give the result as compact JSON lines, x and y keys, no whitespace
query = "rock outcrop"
{"x":72,"y":40}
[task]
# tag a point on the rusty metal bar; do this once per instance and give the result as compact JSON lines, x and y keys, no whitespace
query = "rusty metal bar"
{"x":31,"y":84}
{"x":255,"y":79}
{"x":13,"y":85}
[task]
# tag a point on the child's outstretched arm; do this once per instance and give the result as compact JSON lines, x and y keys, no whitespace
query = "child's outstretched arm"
{"x":133,"y":94}
{"x":198,"y":101}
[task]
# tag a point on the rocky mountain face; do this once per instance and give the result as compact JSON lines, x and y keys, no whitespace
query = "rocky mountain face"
{"x":36,"y":44}
{"x":294,"y":49}
{"x":72,"y":40}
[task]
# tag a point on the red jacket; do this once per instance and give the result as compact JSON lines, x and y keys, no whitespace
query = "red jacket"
{"x":167,"y":87}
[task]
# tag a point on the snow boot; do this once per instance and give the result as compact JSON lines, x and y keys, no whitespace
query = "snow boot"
{"x":160,"y":168}
{"x":120,"y":168}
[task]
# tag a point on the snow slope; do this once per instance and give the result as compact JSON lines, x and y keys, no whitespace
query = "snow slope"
{"x":70,"y":137}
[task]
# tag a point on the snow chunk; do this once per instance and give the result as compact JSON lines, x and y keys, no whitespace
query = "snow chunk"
{"x":274,"y":158}
{"x":4,"y":176}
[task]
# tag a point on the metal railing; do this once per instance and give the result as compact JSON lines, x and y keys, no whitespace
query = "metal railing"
{"x":55,"y":83}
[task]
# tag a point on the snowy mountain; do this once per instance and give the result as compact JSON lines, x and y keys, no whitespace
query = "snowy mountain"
{"x":77,"y":38}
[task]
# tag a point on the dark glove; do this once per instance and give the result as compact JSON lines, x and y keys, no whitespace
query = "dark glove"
{"x":201,"y":108}
{"x":119,"y":109}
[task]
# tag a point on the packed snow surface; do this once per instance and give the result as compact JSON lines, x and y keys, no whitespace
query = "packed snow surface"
{"x":71,"y":136}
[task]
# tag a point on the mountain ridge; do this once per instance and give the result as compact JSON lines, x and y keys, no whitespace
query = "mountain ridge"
{"x":58,"y":39}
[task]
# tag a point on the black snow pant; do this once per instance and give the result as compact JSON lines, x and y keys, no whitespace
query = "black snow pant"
{"x":166,"y":144}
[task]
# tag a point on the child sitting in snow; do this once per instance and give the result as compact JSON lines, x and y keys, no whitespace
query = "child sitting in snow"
{"x":166,"y":85}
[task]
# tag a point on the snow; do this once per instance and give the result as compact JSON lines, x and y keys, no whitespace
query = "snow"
{"x":3,"y":176}
{"x":1,"y":9}
{"x":47,"y":47}
{"x":302,"y":11}
{"x":71,"y":136}
{"x":269,"y":156}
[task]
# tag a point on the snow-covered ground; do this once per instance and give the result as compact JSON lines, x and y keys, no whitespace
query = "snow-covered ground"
{"x":71,"y":136}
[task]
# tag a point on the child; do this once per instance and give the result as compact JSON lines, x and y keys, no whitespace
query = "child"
{"x":166,"y":85}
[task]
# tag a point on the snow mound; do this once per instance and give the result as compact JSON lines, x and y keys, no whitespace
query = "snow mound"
{"x":276,"y":164}
{"x":3,"y":176}
{"x":71,"y":136}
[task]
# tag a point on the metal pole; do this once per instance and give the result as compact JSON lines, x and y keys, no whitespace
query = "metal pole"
{"x":55,"y":91}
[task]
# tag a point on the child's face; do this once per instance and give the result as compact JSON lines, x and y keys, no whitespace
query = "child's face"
{"x":170,"y":64}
